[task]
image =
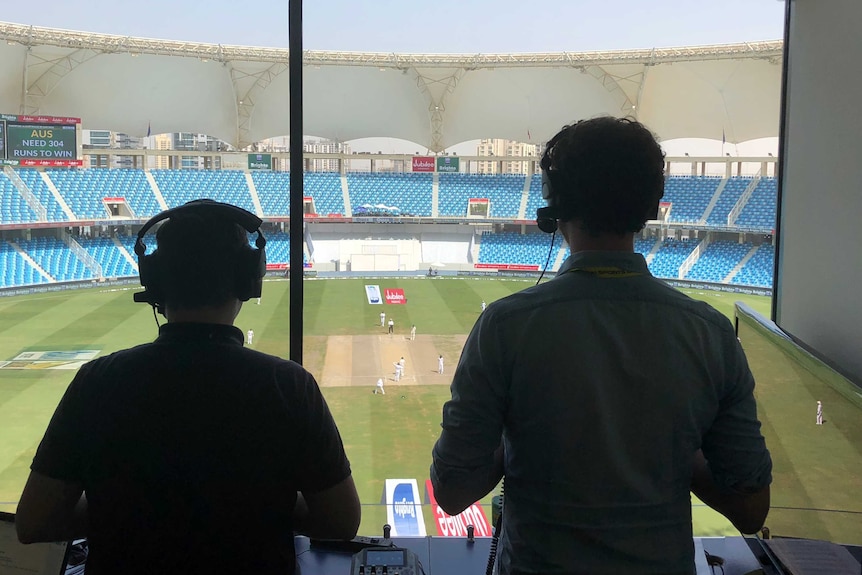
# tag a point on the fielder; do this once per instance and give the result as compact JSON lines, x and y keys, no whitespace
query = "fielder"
{"x":382,"y":319}
{"x":819,"y":413}
{"x":379,"y":388}
{"x":440,"y":365}
{"x":249,"y":336}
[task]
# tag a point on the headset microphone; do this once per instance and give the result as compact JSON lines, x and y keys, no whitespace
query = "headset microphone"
{"x":250,"y":262}
{"x":546,"y":217}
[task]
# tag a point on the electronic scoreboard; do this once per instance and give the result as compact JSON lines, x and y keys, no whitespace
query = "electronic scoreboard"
{"x":39,"y":141}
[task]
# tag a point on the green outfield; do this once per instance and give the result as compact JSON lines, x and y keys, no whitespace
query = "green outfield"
{"x":385,"y":436}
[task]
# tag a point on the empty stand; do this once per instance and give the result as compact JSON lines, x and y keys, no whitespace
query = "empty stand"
{"x":409,"y":192}
{"x":504,"y":192}
{"x":181,"y":186}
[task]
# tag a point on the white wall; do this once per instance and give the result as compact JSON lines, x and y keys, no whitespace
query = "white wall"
{"x":819,"y":274}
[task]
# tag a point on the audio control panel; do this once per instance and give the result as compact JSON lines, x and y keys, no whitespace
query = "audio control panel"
{"x":385,"y":561}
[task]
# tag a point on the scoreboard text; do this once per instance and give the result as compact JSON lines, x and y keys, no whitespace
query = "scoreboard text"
{"x":39,"y":141}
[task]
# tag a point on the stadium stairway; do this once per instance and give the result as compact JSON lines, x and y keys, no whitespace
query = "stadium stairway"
{"x":255,"y":199}
{"x":653,"y":251}
{"x":345,"y":193}
{"x":156,"y":191}
{"x":125,"y":253}
{"x":435,"y":198}
{"x":692,"y":258}
{"x":83,"y":255}
{"x":713,"y":201}
{"x":525,"y":198}
{"x":740,"y":265}
{"x":32,"y":262}
{"x":31,"y":200}
{"x":58,"y":196}
{"x":743,"y":199}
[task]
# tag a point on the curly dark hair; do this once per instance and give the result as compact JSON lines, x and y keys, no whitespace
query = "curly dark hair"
{"x":200,"y":256}
{"x":606,"y":172}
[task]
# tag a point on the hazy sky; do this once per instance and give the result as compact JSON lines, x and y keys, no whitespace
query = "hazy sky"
{"x":435,"y":26}
{"x":422,"y":26}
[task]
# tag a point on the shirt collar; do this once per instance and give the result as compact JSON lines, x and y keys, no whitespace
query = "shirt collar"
{"x":184,"y":332}
{"x":626,"y":261}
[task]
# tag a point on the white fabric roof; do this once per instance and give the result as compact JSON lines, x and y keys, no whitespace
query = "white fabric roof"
{"x":240,"y":94}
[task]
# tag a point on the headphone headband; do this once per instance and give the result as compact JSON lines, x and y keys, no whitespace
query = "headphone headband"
{"x":246,"y":219}
{"x":250,"y":266}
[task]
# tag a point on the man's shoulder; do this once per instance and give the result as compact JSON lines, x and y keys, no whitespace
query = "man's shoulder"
{"x":649,"y":290}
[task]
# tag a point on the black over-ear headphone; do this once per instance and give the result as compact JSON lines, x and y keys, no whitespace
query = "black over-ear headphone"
{"x":250,"y":265}
{"x":547,"y":217}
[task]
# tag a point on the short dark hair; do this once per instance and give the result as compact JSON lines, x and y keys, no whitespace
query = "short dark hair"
{"x":200,"y":254}
{"x":606,"y":172}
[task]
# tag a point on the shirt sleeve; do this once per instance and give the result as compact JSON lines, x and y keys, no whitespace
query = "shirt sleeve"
{"x":734,"y":446}
{"x":463,"y":457}
{"x":61,"y":453}
{"x":322,"y":462}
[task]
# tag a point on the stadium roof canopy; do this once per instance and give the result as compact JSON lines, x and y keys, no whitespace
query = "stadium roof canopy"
{"x":240,"y":94}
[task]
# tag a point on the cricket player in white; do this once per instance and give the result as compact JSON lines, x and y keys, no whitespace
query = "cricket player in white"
{"x":382,"y":319}
{"x":401,"y":363}
{"x":249,"y":336}
{"x":819,"y":413}
{"x":440,"y":365}
{"x":397,"y":371}
{"x":412,"y":333}
{"x":483,"y":305}
{"x":379,"y":387}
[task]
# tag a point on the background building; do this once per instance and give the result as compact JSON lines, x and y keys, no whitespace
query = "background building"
{"x":500,"y":147}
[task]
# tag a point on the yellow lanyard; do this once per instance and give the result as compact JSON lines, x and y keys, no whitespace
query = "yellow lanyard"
{"x":608,"y":272}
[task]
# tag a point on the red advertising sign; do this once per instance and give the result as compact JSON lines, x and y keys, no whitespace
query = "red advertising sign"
{"x":423,"y":164}
{"x":49,"y":119}
{"x":477,"y":201}
{"x":51,"y":163}
{"x":456,"y":525}
{"x":394,"y":295}
{"x":112,"y":200}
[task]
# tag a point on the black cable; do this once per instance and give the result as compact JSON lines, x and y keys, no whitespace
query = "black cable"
{"x":492,"y":555}
{"x":547,"y":261}
{"x":498,"y":526}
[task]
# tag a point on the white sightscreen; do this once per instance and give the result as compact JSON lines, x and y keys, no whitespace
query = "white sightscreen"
{"x":819,"y":275}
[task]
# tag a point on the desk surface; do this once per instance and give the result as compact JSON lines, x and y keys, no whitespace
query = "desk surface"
{"x":456,"y":556}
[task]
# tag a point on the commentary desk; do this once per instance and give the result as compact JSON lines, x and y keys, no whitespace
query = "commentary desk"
{"x":457,"y":556}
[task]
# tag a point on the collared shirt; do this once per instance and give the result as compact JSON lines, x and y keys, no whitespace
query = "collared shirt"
{"x":191,"y":450}
{"x":602,"y":383}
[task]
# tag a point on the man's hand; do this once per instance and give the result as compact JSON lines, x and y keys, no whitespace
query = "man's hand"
{"x":747,"y":511}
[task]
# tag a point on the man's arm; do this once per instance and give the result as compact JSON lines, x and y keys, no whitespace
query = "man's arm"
{"x":747,"y":511}
{"x":333,"y":513}
{"x":51,"y":510}
{"x":454,"y":499}
{"x":468,"y":456}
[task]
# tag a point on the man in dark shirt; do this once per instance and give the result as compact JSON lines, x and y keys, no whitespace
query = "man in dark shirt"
{"x":604,"y":396}
{"x":192,"y":454}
